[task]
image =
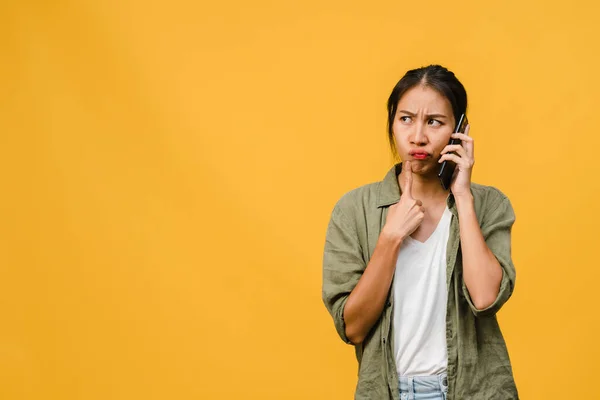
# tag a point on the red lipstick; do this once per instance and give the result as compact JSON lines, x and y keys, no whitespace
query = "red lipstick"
{"x":419,"y":155}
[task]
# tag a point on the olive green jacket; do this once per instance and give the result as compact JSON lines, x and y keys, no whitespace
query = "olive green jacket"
{"x":478,"y":362}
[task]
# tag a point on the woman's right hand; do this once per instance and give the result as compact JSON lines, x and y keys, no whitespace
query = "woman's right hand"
{"x":404,"y":217}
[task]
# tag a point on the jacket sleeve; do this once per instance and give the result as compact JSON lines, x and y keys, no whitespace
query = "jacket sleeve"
{"x":496,"y":229}
{"x":343,"y":265}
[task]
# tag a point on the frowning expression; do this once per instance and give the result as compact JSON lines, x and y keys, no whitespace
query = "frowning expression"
{"x":422,"y":127}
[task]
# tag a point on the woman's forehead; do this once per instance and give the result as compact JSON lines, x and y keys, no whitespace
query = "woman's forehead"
{"x":425,"y":98}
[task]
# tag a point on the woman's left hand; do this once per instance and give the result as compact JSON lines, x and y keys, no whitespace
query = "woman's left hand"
{"x":464,"y":159}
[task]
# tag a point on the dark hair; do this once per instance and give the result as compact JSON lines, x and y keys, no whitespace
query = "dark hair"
{"x":434,"y":76}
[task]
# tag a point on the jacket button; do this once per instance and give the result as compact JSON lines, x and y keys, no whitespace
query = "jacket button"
{"x":389,"y":304}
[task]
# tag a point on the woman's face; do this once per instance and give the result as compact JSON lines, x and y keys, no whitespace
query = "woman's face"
{"x":422,"y":127}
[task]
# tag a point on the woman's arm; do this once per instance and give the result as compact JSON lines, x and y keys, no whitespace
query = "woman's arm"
{"x":488,"y":272}
{"x":365,"y":303}
{"x":355,"y":296}
{"x":482,"y":272}
{"x":354,"y":292}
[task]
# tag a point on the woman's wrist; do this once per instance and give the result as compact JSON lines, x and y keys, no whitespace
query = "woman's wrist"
{"x":464,"y":200}
{"x":390,"y":239}
{"x":465,"y":205}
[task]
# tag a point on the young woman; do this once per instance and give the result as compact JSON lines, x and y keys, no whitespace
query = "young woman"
{"x":413,"y":274}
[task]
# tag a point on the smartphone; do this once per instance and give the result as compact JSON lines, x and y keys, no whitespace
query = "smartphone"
{"x":447,"y":168}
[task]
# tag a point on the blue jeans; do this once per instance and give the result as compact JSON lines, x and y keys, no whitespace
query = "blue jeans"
{"x":432,"y":387}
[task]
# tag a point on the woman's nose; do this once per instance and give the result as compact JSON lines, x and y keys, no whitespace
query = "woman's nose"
{"x":419,"y":136}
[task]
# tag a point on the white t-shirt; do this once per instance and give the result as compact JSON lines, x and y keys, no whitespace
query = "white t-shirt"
{"x":420,"y":298}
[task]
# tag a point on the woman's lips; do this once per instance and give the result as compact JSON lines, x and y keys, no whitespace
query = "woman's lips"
{"x":420,"y":156}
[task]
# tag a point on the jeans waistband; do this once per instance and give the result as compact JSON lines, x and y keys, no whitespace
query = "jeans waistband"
{"x":424,"y":384}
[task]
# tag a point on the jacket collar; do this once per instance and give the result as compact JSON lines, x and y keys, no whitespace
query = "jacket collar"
{"x":390,"y":192}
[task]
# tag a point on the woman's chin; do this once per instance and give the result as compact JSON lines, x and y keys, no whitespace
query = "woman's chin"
{"x":424,"y":167}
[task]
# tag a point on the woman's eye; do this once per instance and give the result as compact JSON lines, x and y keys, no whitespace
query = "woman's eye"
{"x":434,"y":122}
{"x":405,"y":118}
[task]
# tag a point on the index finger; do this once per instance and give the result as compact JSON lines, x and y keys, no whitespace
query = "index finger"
{"x":406,"y":176}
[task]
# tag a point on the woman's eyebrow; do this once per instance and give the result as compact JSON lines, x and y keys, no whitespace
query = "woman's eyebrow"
{"x":436,"y":116}
{"x":428,"y":115}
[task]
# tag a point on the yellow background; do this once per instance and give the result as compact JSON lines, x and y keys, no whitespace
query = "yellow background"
{"x":168,"y":170}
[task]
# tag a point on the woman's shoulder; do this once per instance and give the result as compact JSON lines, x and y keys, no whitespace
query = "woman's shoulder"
{"x":360,"y":195}
{"x":358,"y":198}
{"x":490,"y":200}
{"x":487,"y":192}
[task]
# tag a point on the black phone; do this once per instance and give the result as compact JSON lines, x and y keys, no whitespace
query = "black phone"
{"x":447,"y":168}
